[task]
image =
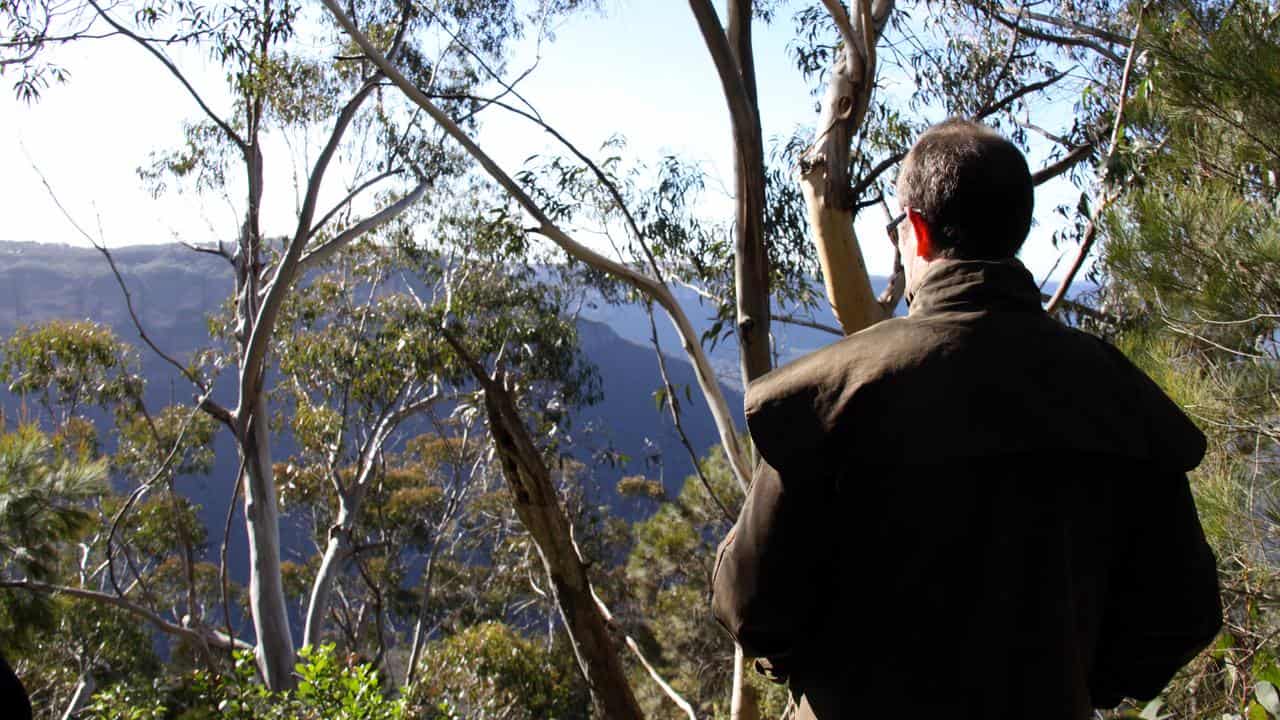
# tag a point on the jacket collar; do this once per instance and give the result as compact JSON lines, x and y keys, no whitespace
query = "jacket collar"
{"x":976,"y":285}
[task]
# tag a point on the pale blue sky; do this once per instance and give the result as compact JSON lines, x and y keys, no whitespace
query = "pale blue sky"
{"x":640,"y":71}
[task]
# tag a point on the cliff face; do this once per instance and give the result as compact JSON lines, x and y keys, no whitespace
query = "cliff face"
{"x":169,"y":284}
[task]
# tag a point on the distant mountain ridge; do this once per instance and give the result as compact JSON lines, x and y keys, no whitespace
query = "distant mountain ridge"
{"x":174,"y":289}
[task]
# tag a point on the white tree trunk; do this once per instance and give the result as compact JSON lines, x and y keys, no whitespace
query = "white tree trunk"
{"x":266,"y":588}
{"x":84,"y":689}
{"x":335,"y":552}
{"x":824,"y":176}
{"x":419,"y":627}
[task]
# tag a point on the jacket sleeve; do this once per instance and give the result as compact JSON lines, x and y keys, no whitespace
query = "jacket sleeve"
{"x":1162,"y":605}
{"x":768,"y":583}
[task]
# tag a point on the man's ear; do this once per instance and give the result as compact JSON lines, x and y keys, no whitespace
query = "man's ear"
{"x":924,"y":236}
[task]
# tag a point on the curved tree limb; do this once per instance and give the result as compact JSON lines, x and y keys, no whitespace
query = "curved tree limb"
{"x":201,"y":637}
{"x":1069,"y":24}
{"x":1062,"y":40}
{"x":667,"y":690}
{"x":673,"y":403}
{"x":1073,"y":157}
{"x":824,"y":167}
{"x":287,"y":270}
{"x":232,"y":135}
{"x":645,"y":284}
{"x":732,"y":55}
{"x":322,"y":254}
{"x":539,"y":509}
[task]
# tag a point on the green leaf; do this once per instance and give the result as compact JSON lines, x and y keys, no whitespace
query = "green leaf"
{"x":659,"y":398}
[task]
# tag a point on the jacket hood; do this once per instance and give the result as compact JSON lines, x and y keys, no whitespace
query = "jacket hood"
{"x":977,"y":369}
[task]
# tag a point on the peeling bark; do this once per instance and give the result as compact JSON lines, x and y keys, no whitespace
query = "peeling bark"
{"x":539,"y":509}
{"x":824,"y":169}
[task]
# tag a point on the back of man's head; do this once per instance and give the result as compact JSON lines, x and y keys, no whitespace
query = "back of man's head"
{"x":973,"y":188}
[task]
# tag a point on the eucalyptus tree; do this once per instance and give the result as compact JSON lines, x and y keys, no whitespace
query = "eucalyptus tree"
{"x":69,"y":368}
{"x":362,"y":358}
{"x":287,"y":77}
{"x":99,"y":575}
{"x":977,"y":59}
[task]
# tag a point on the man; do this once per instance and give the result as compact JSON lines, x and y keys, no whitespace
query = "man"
{"x":972,"y":511}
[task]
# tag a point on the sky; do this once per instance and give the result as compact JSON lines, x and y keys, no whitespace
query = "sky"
{"x":638,"y":70}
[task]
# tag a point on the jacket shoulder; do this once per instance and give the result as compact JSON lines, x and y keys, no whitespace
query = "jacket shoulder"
{"x":793,"y":408}
{"x":940,"y":388}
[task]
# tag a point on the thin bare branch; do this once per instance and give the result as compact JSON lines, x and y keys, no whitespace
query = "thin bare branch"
{"x":1083,"y":310}
{"x":321,"y":254}
{"x":340,"y":125}
{"x":352,"y":196}
{"x":1091,"y":230}
{"x":1006,"y":101}
{"x":610,"y":186}
{"x":812,"y":324}
{"x":667,"y":690}
{"x":128,"y":297}
{"x":656,"y":290}
{"x":1064,"y":40}
{"x":201,"y":637}
{"x":1073,"y":157}
{"x":673,"y":402}
{"x":1069,"y":24}
{"x":232,"y":135}
{"x":1086,"y":243}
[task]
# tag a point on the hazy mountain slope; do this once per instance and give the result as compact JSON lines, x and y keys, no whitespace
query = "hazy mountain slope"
{"x":174,"y":289}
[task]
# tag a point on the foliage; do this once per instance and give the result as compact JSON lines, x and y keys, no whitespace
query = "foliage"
{"x":329,"y":688}
{"x":47,"y":491}
{"x":42,"y":498}
{"x":668,"y":576}
{"x":69,"y":365}
{"x":1190,"y":267}
{"x":489,"y":672}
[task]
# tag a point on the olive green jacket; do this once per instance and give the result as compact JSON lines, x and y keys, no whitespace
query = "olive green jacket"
{"x":970,"y":512}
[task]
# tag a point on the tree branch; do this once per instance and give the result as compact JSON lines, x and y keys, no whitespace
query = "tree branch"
{"x":667,"y":690}
{"x":307,"y":213}
{"x":1067,"y":40}
{"x":288,"y":268}
{"x":1091,"y":231}
{"x":813,"y":324}
{"x":1069,"y":24}
{"x":1021,"y":92}
{"x":1071,"y":159}
{"x":232,"y":135}
{"x":741,"y":109}
{"x":351,"y":196}
{"x":321,"y":254}
{"x":674,"y":404}
{"x":658,"y":291}
{"x":212,"y":637}
{"x":595,"y":169}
